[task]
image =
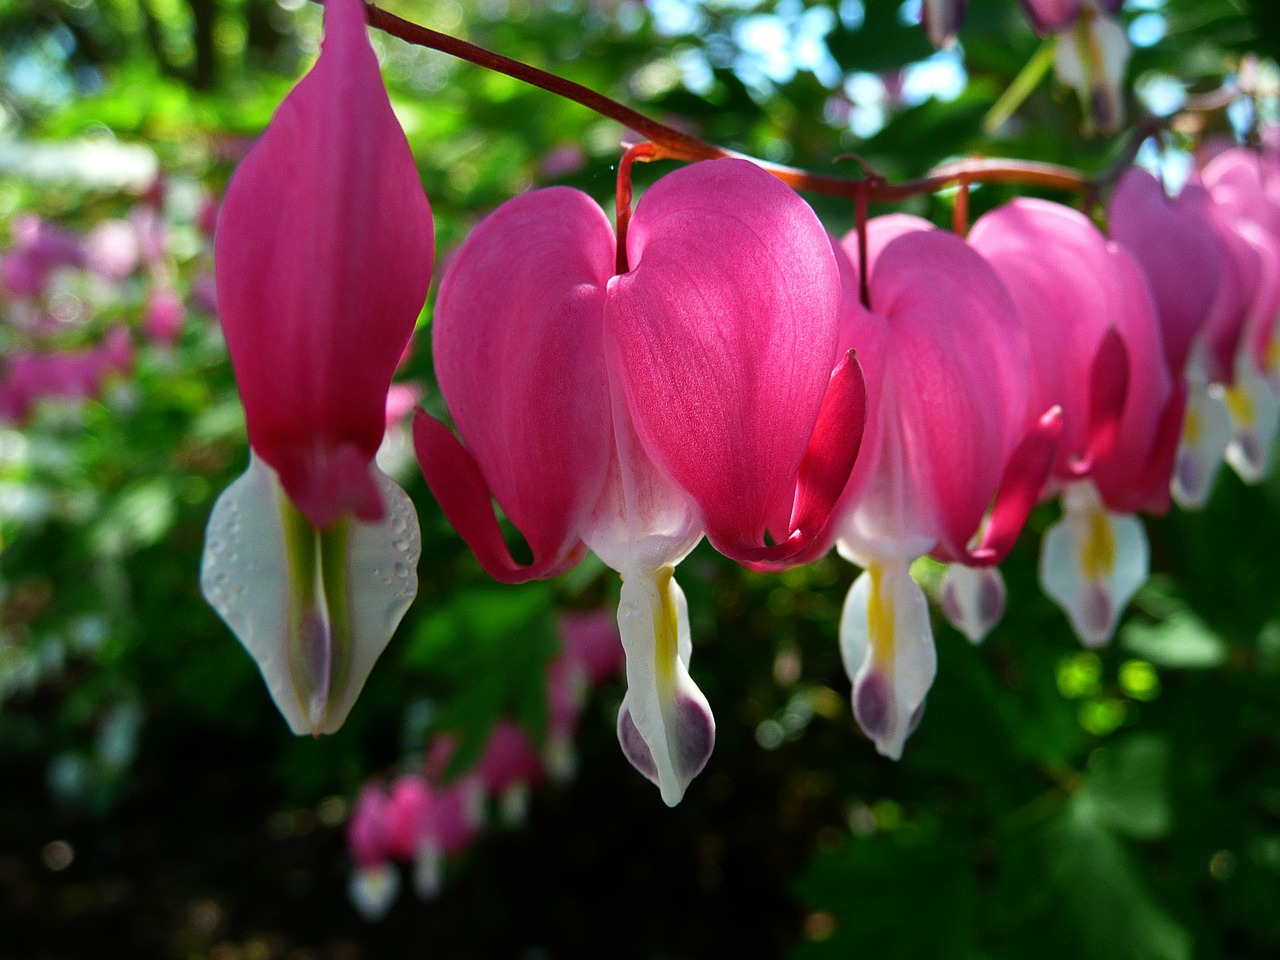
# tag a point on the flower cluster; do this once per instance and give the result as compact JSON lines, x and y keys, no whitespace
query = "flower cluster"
{"x":425,"y":819}
{"x":719,"y":366}
{"x":56,"y":281}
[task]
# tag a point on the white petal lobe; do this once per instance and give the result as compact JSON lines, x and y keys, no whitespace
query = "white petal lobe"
{"x":886,"y":642}
{"x":315,"y":609}
{"x":1092,"y":563}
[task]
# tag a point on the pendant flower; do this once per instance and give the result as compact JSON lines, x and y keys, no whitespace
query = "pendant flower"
{"x":692,"y":394}
{"x":1097,"y":352}
{"x":1207,"y":429}
{"x":947,"y":435}
{"x":1238,"y":180}
{"x":323,"y":257}
{"x":1091,"y":53}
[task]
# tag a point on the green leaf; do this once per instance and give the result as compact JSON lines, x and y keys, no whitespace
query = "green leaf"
{"x":1181,"y":641}
{"x":1112,"y":911}
{"x":1126,"y":786}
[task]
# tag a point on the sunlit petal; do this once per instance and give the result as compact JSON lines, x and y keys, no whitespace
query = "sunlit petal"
{"x":315,"y":608}
{"x":1092,"y":563}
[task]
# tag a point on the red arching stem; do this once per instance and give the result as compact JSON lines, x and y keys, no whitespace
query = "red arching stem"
{"x":678,"y":145}
{"x":960,"y":212}
{"x":643,"y":152}
{"x":860,"y":220}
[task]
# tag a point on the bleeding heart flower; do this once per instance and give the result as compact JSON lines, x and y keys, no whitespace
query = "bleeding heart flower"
{"x":1097,"y":352}
{"x":1091,"y":53}
{"x":323,"y":257}
{"x":163,"y":316}
{"x":508,"y":767}
{"x":1207,"y":428}
{"x":692,"y":393}
{"x":947,"y":434}
{"x":1238,"y":180}
{"x":1178,"y":256}
{"x":374,"y":884}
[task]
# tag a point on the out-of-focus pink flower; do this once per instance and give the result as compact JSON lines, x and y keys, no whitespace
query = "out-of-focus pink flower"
{"x":374,"y":882}
{"x":39,"y":248}
{"x":566,"y":692}
{"x":164,"y":316}
{"x":562,"y":161}
{"x":941,"y":20}
{"x":207,"y":219}
{"x":1240,"y":181}
{"x":152,"y":232}
{"x":590,"y":639}
{"x":112,"y":250}
{"x":322,"y":268}
{"x":408,"y":810}
{"x":508,"y":767}
{"x":1178,"y":256}
{"x":204,"y":294}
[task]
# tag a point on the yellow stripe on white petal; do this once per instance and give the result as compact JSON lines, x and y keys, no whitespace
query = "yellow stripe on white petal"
{"x":972,"y":599}
{"x":886,"y":642}
{"x":1092,"y":563}
{"x":314,"y":608}
{"x":1254,"y":403}
{"x":665,"y":725}
{"x":1206,"y":431}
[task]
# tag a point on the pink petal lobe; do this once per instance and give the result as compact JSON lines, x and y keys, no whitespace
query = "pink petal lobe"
{"x":1179,"y":257}
{"x":1062,"y":278}
{"x":954,"y":394}
{"x":1108,"y":389}
{"x":1048,"y":16}
{"x":1122,"y":475}
{"x":1240,"y":277}
{"x":1024,"y":479}
{"x":323,"y":256}
{"x":460,"y":488}
{"x":519,"y":357}
{"x":725,"y":333}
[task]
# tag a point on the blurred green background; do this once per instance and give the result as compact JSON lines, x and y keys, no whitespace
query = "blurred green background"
{"x":1054,"y":802}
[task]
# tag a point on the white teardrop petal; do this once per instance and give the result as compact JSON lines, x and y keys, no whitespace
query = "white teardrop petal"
{"x":1092,"y":563}
{"x":665,"y":724}
{"x":315,"y":609}
{"x":973,"y":599}
{"x":1254,"y":404}
{"x":1206,"y":431}
{"x":886,"y":642}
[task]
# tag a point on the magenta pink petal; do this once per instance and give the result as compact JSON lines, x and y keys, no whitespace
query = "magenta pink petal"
{"x":1155,"y":496}
{"x":828,"y":462}
{"x":1120,"y":476}
{"x":460,"y":489}
{"x":1024,"y":479}
{"x":725,"y":333}
{"x":1108,"y":390}
{"x":520,"y":360}
{"x":957,"y":373}
{"x":323,"y":255}
{"x":1056,"y":266}
{"x":1179,"y":257}
{"x":1049,"y":16}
